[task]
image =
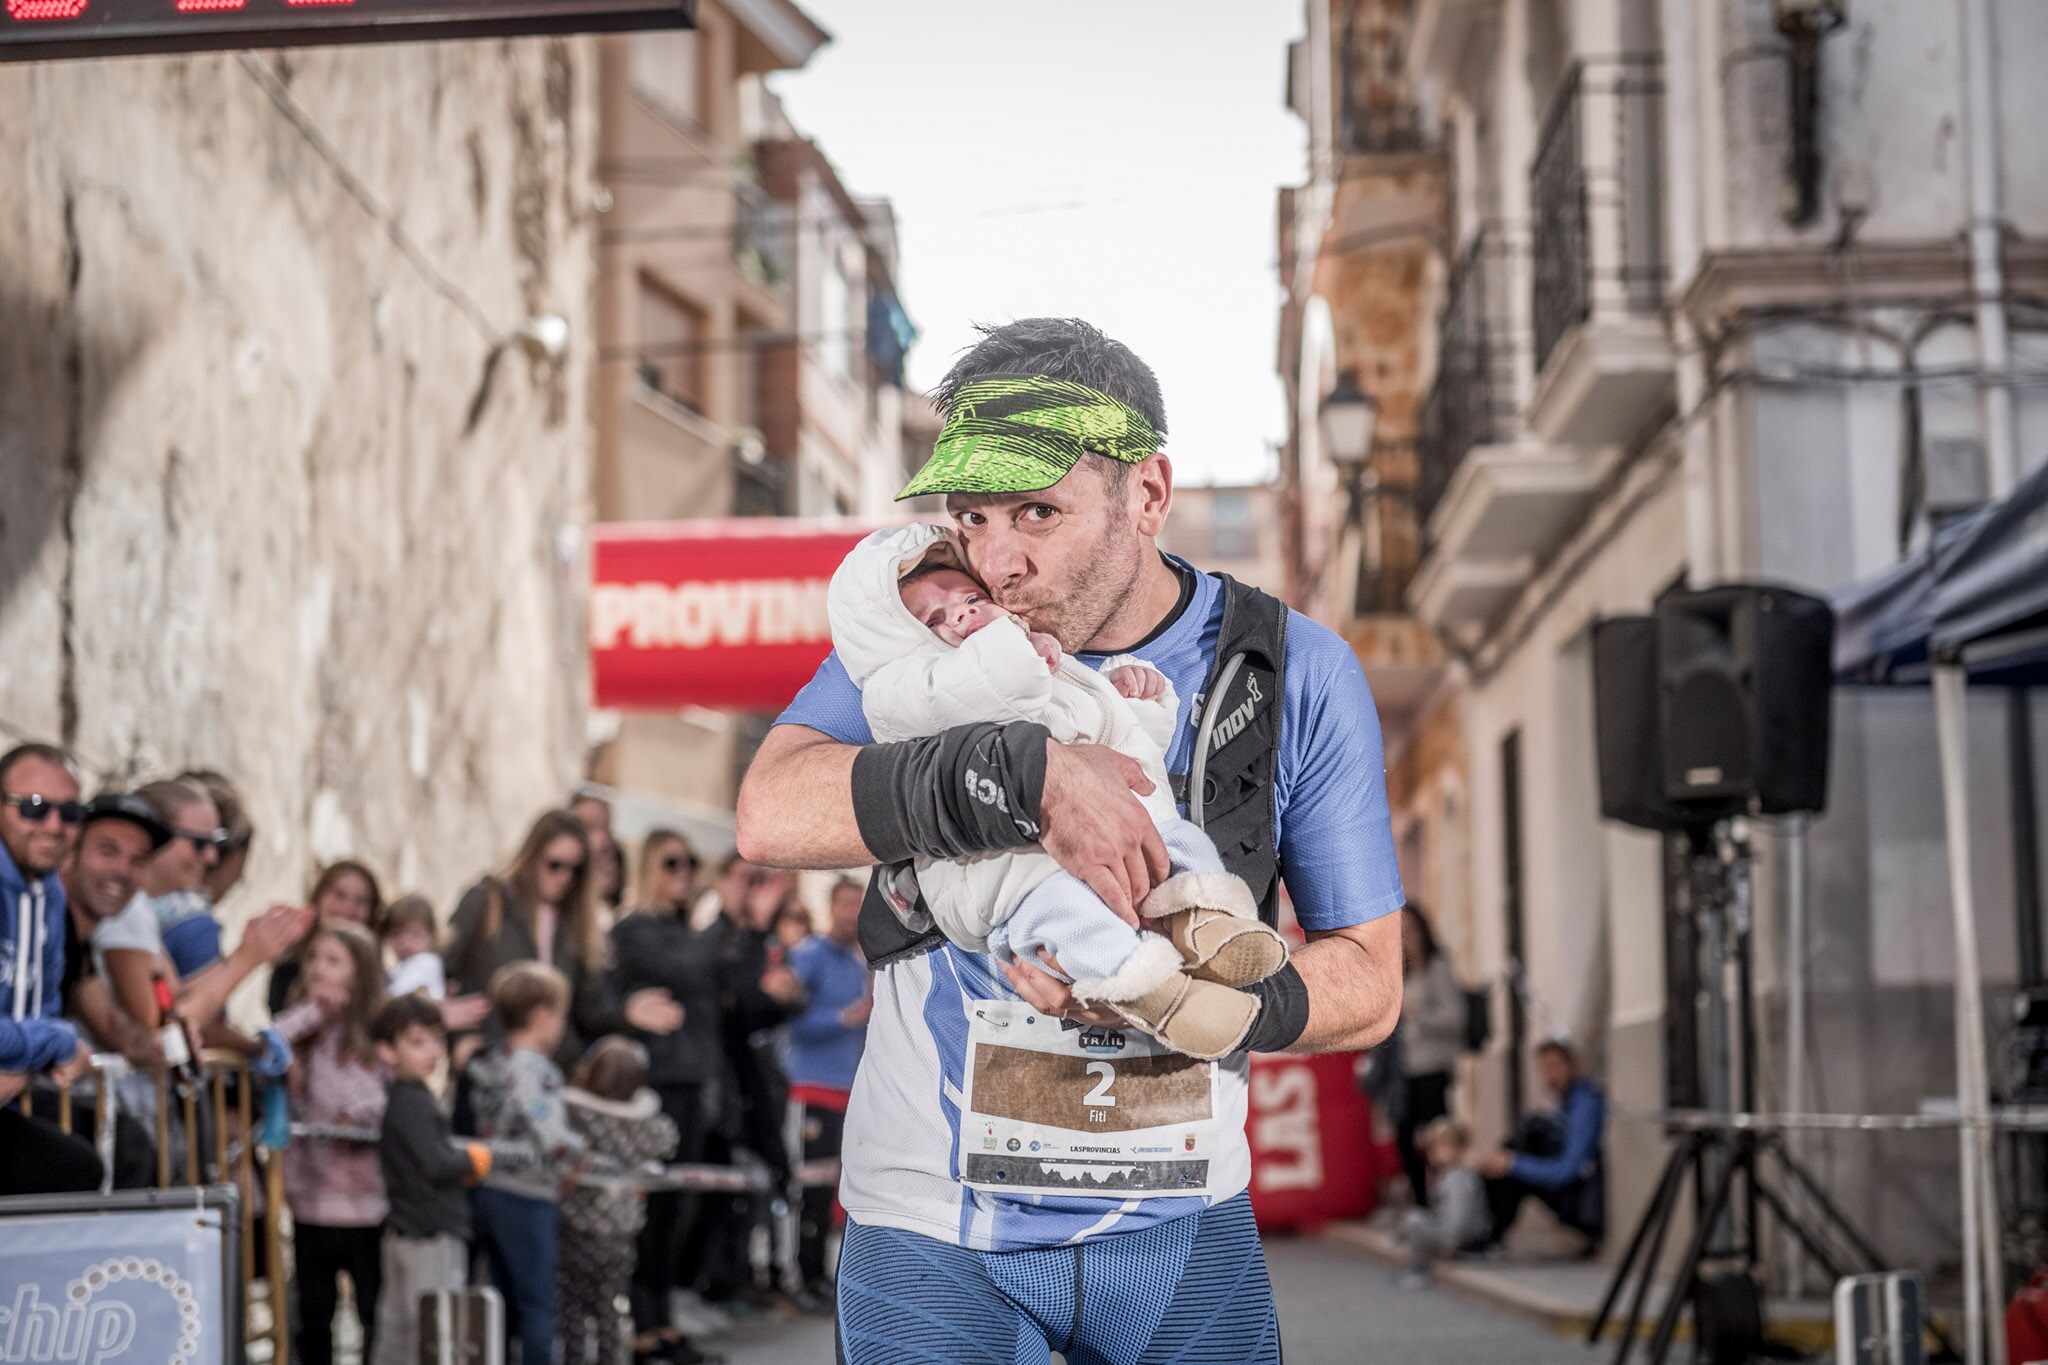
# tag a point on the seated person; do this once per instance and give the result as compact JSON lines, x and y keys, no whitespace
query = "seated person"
{"x":1556,"y":1157}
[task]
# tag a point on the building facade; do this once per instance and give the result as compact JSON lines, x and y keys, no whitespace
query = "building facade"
{"x":1695,"y":321}
{"x":753,"y":342}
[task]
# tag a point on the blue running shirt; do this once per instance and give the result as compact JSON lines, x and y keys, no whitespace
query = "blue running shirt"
{"x":1337,"y":858}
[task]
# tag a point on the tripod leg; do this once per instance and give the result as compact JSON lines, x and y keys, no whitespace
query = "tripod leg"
{"x":1688,"y":1269}
{"x":1688,"y":1154}
{"x":1674,"y":1166}
{"x":1828,"y":1209}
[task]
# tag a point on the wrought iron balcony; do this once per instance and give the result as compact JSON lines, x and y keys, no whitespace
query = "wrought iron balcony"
{"x":1472,"y":401}
{"x":1595,"y":192}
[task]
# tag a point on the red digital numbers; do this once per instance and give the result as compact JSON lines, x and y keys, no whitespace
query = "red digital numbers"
{"x":45,"y":9}
{"x":206,"y":6}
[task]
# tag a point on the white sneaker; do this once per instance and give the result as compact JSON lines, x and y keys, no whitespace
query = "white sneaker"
{"x":690,"y":1315}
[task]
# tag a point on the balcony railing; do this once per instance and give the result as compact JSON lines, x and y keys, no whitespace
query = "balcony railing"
{"x":1595,"y":194}
{"x":762,"y":236}
{"x":1472,"y":401}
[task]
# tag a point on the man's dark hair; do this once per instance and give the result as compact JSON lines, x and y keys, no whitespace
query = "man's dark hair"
{"x":48,"y":753}
{"x":1560,"y":1047}
{"x":1061,"y":348}
{"x":402,"y":1012}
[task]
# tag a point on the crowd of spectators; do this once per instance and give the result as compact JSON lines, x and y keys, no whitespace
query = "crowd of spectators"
{"x":580,"y":1014}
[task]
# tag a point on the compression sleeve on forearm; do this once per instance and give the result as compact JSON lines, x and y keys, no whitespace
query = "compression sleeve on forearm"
{"x":1283,"y":1011}
{"x":970,"y":789}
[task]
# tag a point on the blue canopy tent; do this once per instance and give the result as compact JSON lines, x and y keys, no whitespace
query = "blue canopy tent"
{"x":1970,"y":607}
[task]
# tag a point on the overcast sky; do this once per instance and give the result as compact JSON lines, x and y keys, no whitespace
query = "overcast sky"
{"x":1111,"y":159}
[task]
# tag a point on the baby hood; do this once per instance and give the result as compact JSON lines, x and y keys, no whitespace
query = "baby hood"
{"x":870,"y":624}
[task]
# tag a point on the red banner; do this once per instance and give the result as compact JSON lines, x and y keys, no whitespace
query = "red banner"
{"x":727,"y":614}
{"x":1313,"y":1157}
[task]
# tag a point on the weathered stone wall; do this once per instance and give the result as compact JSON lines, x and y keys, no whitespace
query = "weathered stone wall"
{"x":267,"y":503}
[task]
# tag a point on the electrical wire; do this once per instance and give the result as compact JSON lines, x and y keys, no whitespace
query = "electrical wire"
{"x":359,"y":190}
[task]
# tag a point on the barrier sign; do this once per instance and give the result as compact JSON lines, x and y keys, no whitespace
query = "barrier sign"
{"x":727,"y":614}
{"x":141,"y":1285}
{"x":1311,"y":1136}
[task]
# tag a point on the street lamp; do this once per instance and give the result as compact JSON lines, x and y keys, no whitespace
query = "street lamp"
{"x":1347,"y":421}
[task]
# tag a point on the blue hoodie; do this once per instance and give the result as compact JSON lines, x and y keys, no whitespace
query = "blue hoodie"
{"x":32,"y":1037}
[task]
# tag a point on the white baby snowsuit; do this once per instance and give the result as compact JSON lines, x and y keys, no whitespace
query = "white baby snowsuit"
{"x":1014,"y":903}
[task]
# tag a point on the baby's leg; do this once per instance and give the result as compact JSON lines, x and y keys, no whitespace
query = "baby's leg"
{"x":1188,"y":848}
{"x":1104,"y":958}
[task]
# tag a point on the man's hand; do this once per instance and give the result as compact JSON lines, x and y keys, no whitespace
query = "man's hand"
{"x":1096,"y":829}
{"x":1050,"y":995}
{"x":780,"y":985}
{"x":12,"y":1083}
{"x":1139,"y":684}
{"x":653,"y":1010}
{"x":1495,"y":1163}
{"x":73,"y":1068}
{"x":1047,"y":647}
{"x":270,"y":935}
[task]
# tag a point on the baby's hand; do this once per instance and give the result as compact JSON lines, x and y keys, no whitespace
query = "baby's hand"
{"x":1047,"y":647}
{"x":1139,"y":684}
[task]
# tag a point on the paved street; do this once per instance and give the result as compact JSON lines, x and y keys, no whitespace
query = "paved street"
{"x":1338,"y":1306}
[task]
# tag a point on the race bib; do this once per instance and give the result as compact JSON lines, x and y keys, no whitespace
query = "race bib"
{"x":1055,"y":1108}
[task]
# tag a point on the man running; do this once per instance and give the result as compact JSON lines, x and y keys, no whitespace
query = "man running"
{"x":1014,"y":1183}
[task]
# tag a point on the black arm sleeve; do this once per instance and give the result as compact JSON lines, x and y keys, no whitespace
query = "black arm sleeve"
{"x":970,"y":789}
{"x":1283,"y":1011}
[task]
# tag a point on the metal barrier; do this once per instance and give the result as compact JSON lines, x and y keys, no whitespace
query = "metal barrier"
{"x":217,"y":1120}
{"x":205,"y":1110}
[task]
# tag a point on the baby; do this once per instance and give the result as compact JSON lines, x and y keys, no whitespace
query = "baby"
{"x":930,"y":650}
{"x":408,"y":929}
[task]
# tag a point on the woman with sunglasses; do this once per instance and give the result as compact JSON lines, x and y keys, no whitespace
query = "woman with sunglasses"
{"x":654,"y":947}
{"x":540,"y":909}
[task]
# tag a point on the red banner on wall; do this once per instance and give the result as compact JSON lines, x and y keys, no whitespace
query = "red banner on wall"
{"x":726,"y":614}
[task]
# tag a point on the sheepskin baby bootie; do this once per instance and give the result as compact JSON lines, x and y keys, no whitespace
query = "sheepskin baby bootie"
{"x":1211,"y":918}
{"x":1199,"y":1018}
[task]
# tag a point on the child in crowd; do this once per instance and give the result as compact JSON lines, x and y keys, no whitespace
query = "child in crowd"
{"x":332,"y":1182}
{"x":930,"y":650}
{"x":1456,"y":1219}
{"x":427,"y":1175}
{"x":408,"y":931}
{"x":621,"y":1120}
{"x":516,"y":1092}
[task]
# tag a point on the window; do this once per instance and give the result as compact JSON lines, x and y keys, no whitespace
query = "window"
{"x":665,"y":70}
{"x":1230,"y":542}
{"x":671,"y":336}
{"x":1231,"y":509}
{"x":835,"y":318}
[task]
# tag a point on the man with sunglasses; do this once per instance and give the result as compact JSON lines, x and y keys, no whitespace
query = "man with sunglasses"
{"x":39,"y":818}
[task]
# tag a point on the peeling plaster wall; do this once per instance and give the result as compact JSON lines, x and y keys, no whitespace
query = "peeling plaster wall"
{"x":268,"y":500}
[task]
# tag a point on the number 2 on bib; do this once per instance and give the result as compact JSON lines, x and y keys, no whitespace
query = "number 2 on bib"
{"x":1100,"y":1094}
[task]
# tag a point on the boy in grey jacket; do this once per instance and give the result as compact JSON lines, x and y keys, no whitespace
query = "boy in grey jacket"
{"x":1456,"y":1219}
{"x":516,"y":1092}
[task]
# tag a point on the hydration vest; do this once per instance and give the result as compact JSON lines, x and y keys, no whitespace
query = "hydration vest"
{"x":1227,"y":790}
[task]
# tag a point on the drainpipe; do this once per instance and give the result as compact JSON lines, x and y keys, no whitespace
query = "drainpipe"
{"x":1987,"y":272}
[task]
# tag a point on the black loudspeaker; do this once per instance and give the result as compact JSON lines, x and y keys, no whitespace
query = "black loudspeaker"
{"x":1745,"y":675}
{"x":1716,"y":705}
{"x":1629,"y":733}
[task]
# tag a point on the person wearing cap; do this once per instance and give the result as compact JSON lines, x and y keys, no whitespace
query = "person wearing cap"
{"x":1051,"y":467}
{"x":119,"y":833}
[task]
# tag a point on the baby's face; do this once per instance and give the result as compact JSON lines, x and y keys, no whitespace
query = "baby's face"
{"x":952,"y":605}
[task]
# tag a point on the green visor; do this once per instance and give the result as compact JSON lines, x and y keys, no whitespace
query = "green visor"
{"x":1018,"y":433}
